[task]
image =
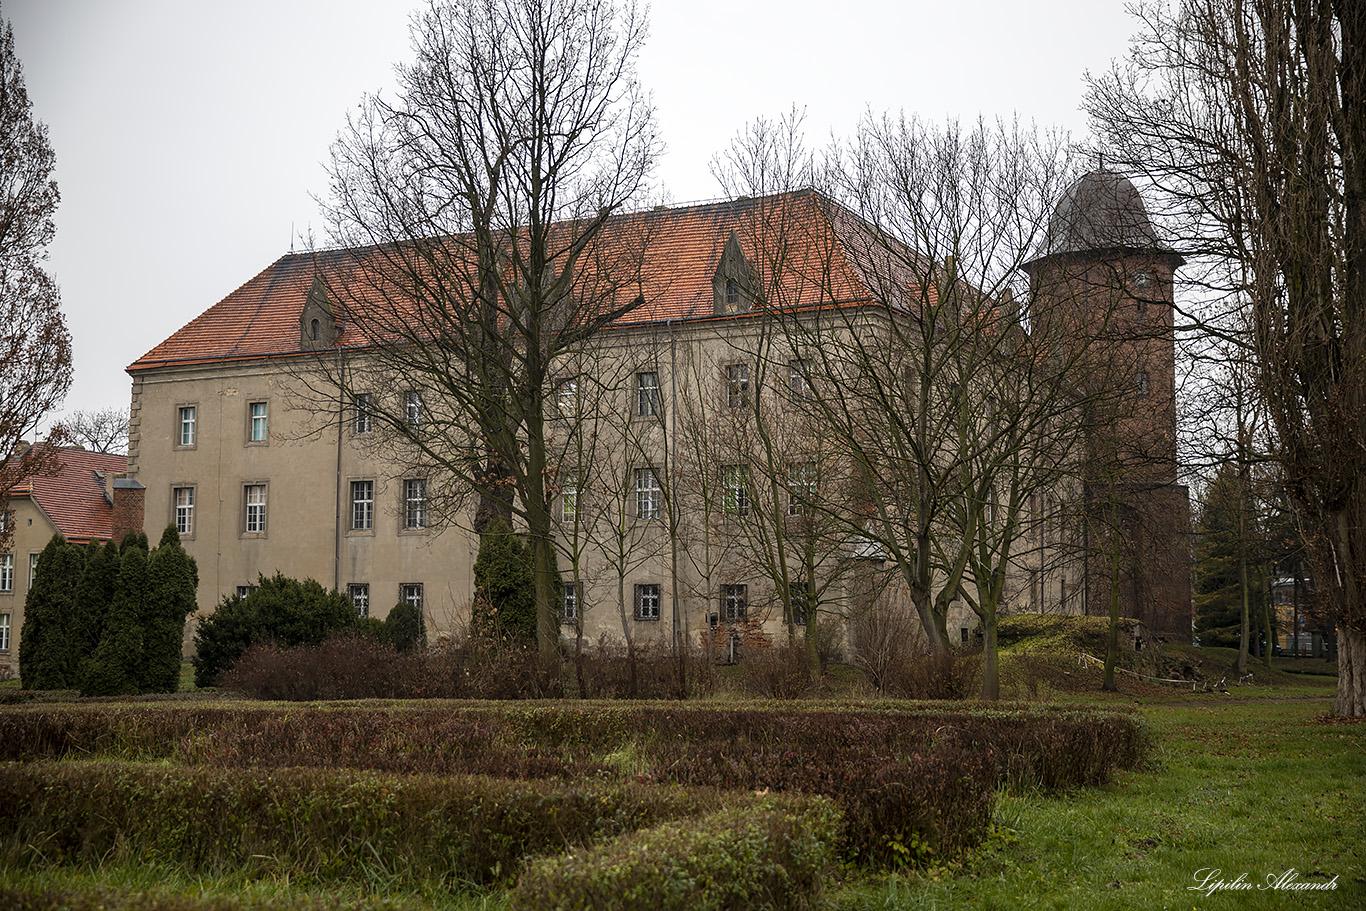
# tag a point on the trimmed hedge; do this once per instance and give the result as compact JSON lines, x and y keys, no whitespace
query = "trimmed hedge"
{"x":772,"y":856}
{"x":912,"y":782}
{"x":316,"y":825}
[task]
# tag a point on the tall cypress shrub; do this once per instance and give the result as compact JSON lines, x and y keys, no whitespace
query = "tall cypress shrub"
{"x":47,"y":659}
{"x":172,"y":578}
{"x":115,"y":668}
{"x":94,"y":596}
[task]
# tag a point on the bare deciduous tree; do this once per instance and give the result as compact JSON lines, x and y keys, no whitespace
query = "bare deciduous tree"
{"x":1249,"y":120}
{"x":105,"y":430}
{"x":475,"y":207}
{"x":35,"y":348}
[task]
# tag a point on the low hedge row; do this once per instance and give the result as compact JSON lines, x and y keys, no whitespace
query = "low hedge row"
{"x":910,"y":782}
{"x":776,"y":855}
{"x":315,"y":825}
{"x":110,"y":899}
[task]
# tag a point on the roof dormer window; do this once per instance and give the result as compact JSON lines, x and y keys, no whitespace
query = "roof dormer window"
{"x":732,"y":283}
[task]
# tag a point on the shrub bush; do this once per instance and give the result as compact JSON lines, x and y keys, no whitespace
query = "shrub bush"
{"x":504,"y":587}
{"x":404,"y":628}
{"x":283,"y":610}
{"x":781,"y":672}
{"x":775,"y":855}
{"x":320,"y":825}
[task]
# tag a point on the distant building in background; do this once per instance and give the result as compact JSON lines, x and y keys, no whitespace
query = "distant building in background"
{"x":88,"y":498}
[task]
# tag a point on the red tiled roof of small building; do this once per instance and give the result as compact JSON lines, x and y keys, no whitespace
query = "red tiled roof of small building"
{"x":828,"y":257}
{"x":73,"y":496}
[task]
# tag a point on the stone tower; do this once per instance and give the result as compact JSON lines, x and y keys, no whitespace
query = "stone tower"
{"x":1102,"y":284}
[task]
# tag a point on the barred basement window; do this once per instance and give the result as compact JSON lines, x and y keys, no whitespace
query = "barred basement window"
{"x":647,"y":602}
{"x":734,"y":602}
{"x":411,"y":593}
{"x":570,"y":598}
{"x":359,"y":593}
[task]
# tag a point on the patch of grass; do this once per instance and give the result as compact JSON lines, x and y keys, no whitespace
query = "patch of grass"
{"x":1243,"y":787}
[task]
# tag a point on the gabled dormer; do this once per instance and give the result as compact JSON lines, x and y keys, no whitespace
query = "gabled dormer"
{"x":734,"y":282}
{"x":319,"y":326}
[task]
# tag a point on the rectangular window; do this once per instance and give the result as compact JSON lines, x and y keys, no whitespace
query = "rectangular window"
{"x":413,"y":412}
{"x":6,"y":573}
{"x":735,"y":490}
{"x":737,"y":385}
{"x":569,"y":497}
{"x":567,"y":397}
{"x":256,"y":429}
{"x":647,"y":394}
{"x":4,"y":632}
{"x":32,"y":568}
{"x":1141,"y":381}
{"x":187,"y":424}
{"x":362,"y":505}
{"x":359,"y":593}
{"x":415,"y":503}
{"x":569,"y":601}
{"x":255,"y":520}
{"x":411,"y":593}
{"x":365,"y":409}
{"x":801,"y":488}
{"x":647,"y":602}
{"x":799,"y":379}
{"x":734,"y":602}
{"x":244,"y":590}
{"x":647,"y":494}
{"x":184,"y":510}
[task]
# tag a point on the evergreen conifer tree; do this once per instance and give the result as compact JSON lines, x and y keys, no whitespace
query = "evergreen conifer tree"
{"x":504,"y":589}
{"x":405,"y":628}
{"x":114,"y":670}
{"x":1218,"y":586}
{"x":173,"y":578}
{"x":47,"y":660}
{"x":94,"y":595}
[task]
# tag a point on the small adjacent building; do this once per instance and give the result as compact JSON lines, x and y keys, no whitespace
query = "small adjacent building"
{"x":87,"y":497}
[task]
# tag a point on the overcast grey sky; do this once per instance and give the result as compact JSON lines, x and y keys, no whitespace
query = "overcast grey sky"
{"x":190,"y":135}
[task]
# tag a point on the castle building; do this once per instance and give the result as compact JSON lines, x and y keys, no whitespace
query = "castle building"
{"x":244,"y":442}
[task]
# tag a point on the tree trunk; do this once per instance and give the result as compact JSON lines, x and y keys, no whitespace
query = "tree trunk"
{"x":1112,"y":647}
{"x":1351,"y":672}
{"x":991,"y":668}
{"x":1243,"y":632}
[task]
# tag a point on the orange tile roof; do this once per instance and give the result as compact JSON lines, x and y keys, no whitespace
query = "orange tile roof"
{"x":72,"y":496}
{"x":828,"y":256}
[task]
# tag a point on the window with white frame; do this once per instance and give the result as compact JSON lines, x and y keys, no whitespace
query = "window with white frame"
{"x":244,"y":590}
{"x":734,"y":602}
{"x":415,"y":503}
{"x":364,"y":406}
{"x":737,"y":385}
{"x":647,"y":394}
{"x":647,"y":494}
{"x":570,"y":598}
{"x":256,"y":422}
{"x":362,"y":505}
{"x":799,"y":378}
{"x":187,"y":415}
{"x":735,"y":490}
{"x":801,"y":488}
{"x":413,"y":411}
{"x":569,"y":497}
{"x":359,"y":593}
{"x":254,"y":521}
{"x":647,"y":602}
{"x":411,"y":593}
{"x":6,"y":573}
{"x":183,"y":497}
{"x":567,"y":398}
{"x":4,"y":632}
{"x":32,"y":568}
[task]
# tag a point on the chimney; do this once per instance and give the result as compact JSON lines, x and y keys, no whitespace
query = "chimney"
{"x":128,"y":497}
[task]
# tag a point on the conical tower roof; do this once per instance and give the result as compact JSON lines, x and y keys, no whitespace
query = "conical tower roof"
{"x":1101,"y":212}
